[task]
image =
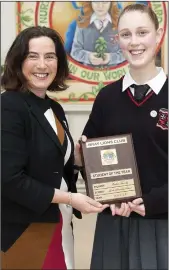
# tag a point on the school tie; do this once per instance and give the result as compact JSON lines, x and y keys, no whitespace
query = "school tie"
{"x":140,"y":91}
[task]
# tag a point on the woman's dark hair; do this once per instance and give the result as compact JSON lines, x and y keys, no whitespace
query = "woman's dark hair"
{"x":144,"y":9}
{"x":13,"y":78}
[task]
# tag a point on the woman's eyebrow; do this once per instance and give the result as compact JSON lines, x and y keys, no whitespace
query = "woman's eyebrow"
{"x":51,"y":53}
{"x":45,"y":53}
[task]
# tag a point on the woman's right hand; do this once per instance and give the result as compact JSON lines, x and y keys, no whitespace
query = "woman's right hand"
{"x":85,"y":204}
{"x":80,"y":201}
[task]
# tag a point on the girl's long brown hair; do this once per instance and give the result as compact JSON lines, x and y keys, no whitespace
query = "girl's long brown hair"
{"x":84,"y":20}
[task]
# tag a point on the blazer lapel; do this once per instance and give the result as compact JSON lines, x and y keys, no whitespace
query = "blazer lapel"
{"x":34,"y":109}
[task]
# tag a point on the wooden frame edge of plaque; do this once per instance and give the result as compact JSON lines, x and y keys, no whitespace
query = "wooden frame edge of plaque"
{"x":136,"y":165}
{"x":84,"y":176}
{"x":134,"y":162}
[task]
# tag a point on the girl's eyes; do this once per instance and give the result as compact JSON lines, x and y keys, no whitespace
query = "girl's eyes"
{"x":140,"y":33}
{"x":125,"y":35}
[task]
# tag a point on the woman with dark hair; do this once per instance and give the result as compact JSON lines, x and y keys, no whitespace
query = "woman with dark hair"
{"x":38,"y":165}
{"x":134,"y":235}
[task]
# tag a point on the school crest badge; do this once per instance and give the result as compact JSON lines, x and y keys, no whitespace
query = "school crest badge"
{"x":163,"y":119}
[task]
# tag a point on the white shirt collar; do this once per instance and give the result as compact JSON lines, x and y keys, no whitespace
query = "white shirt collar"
{"x":155,"y":84}
{"x":94,"y":18}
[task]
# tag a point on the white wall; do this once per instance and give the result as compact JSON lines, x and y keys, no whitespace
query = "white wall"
{"x":8,"y":27}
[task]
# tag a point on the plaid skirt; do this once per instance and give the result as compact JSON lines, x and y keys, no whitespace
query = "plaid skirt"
{"x":132,"y":243}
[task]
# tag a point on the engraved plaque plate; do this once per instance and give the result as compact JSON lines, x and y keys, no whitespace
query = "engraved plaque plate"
{"x":110,"y":169}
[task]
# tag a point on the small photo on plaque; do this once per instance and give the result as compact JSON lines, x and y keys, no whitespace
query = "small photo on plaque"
{"x":109,"y":157}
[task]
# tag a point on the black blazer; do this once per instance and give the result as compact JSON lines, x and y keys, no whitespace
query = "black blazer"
{"x":32,"y":165}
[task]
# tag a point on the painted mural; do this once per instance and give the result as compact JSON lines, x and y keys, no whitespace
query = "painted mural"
{"x":94,"y":56}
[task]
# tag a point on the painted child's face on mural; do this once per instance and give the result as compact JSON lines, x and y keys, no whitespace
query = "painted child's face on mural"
{"x":40,"y":66}
{"x":101,"y":8}
{"x":138,"y":40}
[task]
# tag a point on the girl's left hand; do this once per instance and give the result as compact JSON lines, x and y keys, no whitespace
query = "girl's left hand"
{"x":121,"y":210}
{"x":137,"y":206}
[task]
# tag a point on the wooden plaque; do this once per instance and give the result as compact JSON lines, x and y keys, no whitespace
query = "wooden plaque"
{"x":110,"y":169}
